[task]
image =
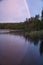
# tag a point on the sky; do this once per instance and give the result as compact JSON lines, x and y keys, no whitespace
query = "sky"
{"x":19,"y":10}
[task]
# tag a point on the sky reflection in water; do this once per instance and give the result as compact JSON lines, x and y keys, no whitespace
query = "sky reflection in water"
{"x":19,"y":50}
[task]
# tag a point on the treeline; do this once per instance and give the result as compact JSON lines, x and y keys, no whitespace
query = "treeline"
{"x":31,"y":24}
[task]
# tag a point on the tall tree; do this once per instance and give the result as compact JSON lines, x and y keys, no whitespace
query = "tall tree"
{"x":42,"y":15}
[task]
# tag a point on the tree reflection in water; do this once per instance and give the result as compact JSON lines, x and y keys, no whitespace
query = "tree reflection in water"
{"x":41,"y":47}
{"x":35,"y":40}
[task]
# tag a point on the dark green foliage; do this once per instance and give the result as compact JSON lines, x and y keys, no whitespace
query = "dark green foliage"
{"x":42,"y":15}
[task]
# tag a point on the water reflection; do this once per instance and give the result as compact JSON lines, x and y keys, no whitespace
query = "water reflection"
{"x":32,"y":55}
{"x":35,"y":41}
{"x":41,"y":47}
{"x":15,"y":50}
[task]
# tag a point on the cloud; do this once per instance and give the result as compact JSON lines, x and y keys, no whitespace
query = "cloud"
{"x":13,"y":10}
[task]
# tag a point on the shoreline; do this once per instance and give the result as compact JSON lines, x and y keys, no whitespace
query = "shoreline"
{"x":31,"y":34}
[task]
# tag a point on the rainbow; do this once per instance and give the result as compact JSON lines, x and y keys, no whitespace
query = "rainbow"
{"x":27,"y":8}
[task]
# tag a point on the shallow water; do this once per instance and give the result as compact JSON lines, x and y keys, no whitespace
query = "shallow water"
{"x":19,"y":50}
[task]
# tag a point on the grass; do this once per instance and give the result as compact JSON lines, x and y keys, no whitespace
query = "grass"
{"x":35,"y":34}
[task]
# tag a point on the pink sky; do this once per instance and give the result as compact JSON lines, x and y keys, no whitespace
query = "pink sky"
{"x":14,"y":10}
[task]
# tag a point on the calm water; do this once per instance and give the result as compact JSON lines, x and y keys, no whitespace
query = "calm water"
{"x":19,"y":50}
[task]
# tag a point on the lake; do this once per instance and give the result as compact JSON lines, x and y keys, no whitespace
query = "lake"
{"x":17,"y":49}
